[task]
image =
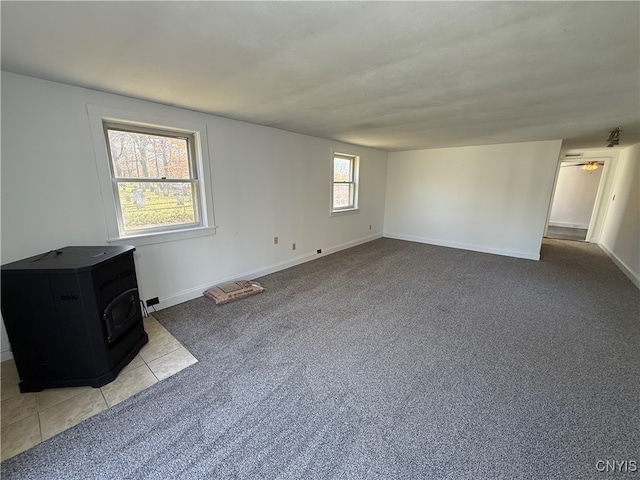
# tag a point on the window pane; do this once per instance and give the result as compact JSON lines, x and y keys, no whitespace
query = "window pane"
{"x":343,"y":195}
{"x":156,"y":204}
{"x":341,"y":170}
{"x":142,"y":155}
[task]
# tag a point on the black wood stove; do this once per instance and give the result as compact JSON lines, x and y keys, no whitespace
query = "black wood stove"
{"x":73,"y":316}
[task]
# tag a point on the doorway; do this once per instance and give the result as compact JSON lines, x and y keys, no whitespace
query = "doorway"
{"x":575,"y":195}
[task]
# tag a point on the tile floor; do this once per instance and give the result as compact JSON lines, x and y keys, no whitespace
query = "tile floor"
{"x":30,"y":418}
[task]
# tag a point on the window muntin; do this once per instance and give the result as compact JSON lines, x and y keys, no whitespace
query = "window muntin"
{"x":154,"y":178}
{"x":345,"y":187}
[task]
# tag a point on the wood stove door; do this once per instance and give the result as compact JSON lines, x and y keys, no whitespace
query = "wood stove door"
{"x":122,"y":313}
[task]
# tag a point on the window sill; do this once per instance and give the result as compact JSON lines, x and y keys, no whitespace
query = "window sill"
{"x":346,"y":211}
{"x":153,"y":238}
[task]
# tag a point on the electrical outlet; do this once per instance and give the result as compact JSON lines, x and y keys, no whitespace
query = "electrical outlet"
{"x":275,"y":240}
{"x":293,"y":247}
{"x":153,"y":301}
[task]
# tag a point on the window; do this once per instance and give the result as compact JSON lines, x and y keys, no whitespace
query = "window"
{"x":344,"y":193}
{"x":152,"y":177}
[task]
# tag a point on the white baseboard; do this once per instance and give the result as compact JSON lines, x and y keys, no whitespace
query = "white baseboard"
{"x":465,"y":246}
{"x":196,"y":292}
{"x":633,"y":276}
{"x":6,"y":355}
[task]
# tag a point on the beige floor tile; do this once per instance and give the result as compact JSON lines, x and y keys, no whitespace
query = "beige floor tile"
{"x":52,"y":396}
{"x":18,"y":408}
{"x":171,"y":363}
{"x":128,"y":384}
{"x":9,"y":380}
{"x":10,"y":389}
{"x":152,"y":326}
{"x":159,"y":344}
{"x":135,"y":363}
{"x":8,"y":369}
{"x":70,"y":412}
{"x":62,"y":408}
{"x":20,"y":436}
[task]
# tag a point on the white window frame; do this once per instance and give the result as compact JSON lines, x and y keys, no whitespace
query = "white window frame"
{"x":102,"y":117}
{"x":355,"y":177}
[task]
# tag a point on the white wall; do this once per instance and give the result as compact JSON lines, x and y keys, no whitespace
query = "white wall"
{"x":620,"y":237}
{"x":266,"y":183}
{"x":574,"y":196}
{"x":492,"y":198}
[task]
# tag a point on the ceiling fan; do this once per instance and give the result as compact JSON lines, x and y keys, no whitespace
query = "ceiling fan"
{"x":588,"y":165}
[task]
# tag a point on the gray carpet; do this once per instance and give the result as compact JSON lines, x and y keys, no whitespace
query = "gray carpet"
{"x":390,"y":360}
{"x":566,"y":233}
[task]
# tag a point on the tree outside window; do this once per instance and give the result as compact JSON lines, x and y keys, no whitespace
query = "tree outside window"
{"x":154,"y":179}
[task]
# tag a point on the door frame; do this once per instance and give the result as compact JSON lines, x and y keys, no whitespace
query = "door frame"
{"x":599,"y":210}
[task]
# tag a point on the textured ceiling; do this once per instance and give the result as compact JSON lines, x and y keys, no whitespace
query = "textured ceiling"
{"x":390,"y":75}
